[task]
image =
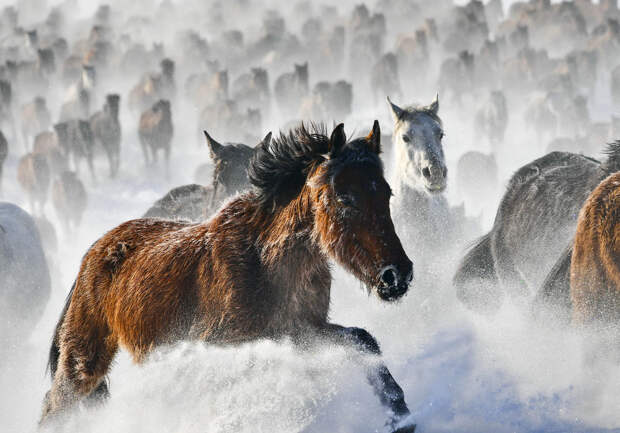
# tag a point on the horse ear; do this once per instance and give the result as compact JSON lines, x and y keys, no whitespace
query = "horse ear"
{"x":434,"y":107}
{"x":374,"y":138}
{"x":266,"y":140}
{"x":214,"y":146}
{"x":337,"y":140}
{"x":397,"y":112}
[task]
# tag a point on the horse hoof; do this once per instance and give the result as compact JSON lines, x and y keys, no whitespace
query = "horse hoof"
{"x":402,"y":425}
{"x":405,"y":429}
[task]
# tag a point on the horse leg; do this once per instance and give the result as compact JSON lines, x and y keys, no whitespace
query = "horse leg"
{"x":167,"y":158}
{"x":98,"y":395}
{"x":379,"y":377}
{"x":91,"y":167}
{"x":25,"y":140}
{"x":76,"y":162}
{"x":110,"y":154}
{"x":509,"y":276}
{"x":84,"y":361}
{"x":145,"y":152}
{"x":116,"y":158}
{"x":154,"y":151}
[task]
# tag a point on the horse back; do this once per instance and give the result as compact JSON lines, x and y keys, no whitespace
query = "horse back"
{"x":538,"y":213}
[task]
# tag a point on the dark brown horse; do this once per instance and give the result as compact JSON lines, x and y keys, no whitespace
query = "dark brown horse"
{"x":595,"y":262}
{"x":257,"y":269}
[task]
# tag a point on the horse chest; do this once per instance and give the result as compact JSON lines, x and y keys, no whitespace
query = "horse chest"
{"x":417,"y":213}
{"x":299,"y":302}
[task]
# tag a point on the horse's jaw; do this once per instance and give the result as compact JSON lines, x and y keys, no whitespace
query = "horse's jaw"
{"x":409,"y":182}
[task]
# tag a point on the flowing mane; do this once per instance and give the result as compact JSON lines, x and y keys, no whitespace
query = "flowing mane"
{"x":612,"y":151}
{"x":278,"y":170}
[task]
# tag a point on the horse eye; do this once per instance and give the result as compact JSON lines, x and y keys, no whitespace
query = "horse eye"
{"x":406,"y":138}
{"x":346,"y":200}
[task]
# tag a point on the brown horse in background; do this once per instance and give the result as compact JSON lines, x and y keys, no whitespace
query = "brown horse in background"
{"x":257,"y":269}
{"x":595,"y":263}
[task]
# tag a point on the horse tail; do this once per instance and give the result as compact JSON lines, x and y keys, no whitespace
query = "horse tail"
{"x":476,"y":277}
{"x":54,"y":354}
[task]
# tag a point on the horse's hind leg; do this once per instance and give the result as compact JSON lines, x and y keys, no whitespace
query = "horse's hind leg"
{"x":84,"y":361}
{"x":99,"y":394}
{"x":507,"y":272}
{"x":385,"y":386}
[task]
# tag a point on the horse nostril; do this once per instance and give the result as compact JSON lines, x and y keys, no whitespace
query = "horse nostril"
{"x":426,"y":172}
{"x":445,"y":172}
{"x":388,"y":276}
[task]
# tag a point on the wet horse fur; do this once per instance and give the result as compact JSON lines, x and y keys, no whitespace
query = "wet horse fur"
{"x":525,"y":253}
{"x":595,"y":263}
{"x":257,"y":269}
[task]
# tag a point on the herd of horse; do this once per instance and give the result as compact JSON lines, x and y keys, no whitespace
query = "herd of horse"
{"x":244,"y":253}
{"x":259,"y":267}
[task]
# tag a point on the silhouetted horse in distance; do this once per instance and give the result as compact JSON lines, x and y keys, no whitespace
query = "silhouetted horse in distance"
{"x":595,"y":263}
{"x":258,"y":269}
{"x":526,"y":250}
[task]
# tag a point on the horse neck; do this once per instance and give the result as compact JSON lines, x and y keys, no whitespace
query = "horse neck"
{"x":406,"y":197}
{"x":288,"y":237}
{"x":411,"y":200}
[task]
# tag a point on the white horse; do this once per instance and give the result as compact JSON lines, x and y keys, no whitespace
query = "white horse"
{"x":424,"y":220}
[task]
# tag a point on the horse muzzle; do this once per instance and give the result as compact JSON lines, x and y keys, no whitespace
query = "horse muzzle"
{"x":435,"y":178}
{"x":394,"y":281}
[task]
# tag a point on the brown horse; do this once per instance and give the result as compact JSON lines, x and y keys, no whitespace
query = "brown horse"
{"x":257,"y":269}
{"x":595,"y":263}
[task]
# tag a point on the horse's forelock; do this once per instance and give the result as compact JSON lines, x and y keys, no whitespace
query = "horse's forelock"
{"x":278,"y":169}
{"x":413,"y":111}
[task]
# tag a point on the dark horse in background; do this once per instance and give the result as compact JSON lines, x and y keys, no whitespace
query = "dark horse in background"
{"x":257,"y":269}
{"x":197,"y":202}
{"x":526,"y":251}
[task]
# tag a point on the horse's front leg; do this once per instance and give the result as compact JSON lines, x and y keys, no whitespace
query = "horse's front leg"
{"x":389,"y":392}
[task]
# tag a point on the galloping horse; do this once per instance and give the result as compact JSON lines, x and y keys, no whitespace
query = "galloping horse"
{"x":595,"y":263}
{"x":525,"y":253}
{"x":257,"y":269}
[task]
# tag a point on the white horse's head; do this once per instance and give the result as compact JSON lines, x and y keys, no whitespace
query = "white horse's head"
{"x":418,"y":132}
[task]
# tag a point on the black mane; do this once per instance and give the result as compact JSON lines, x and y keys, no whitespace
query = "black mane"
{"x":279,"y":170}
{"x":612,"y":163}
